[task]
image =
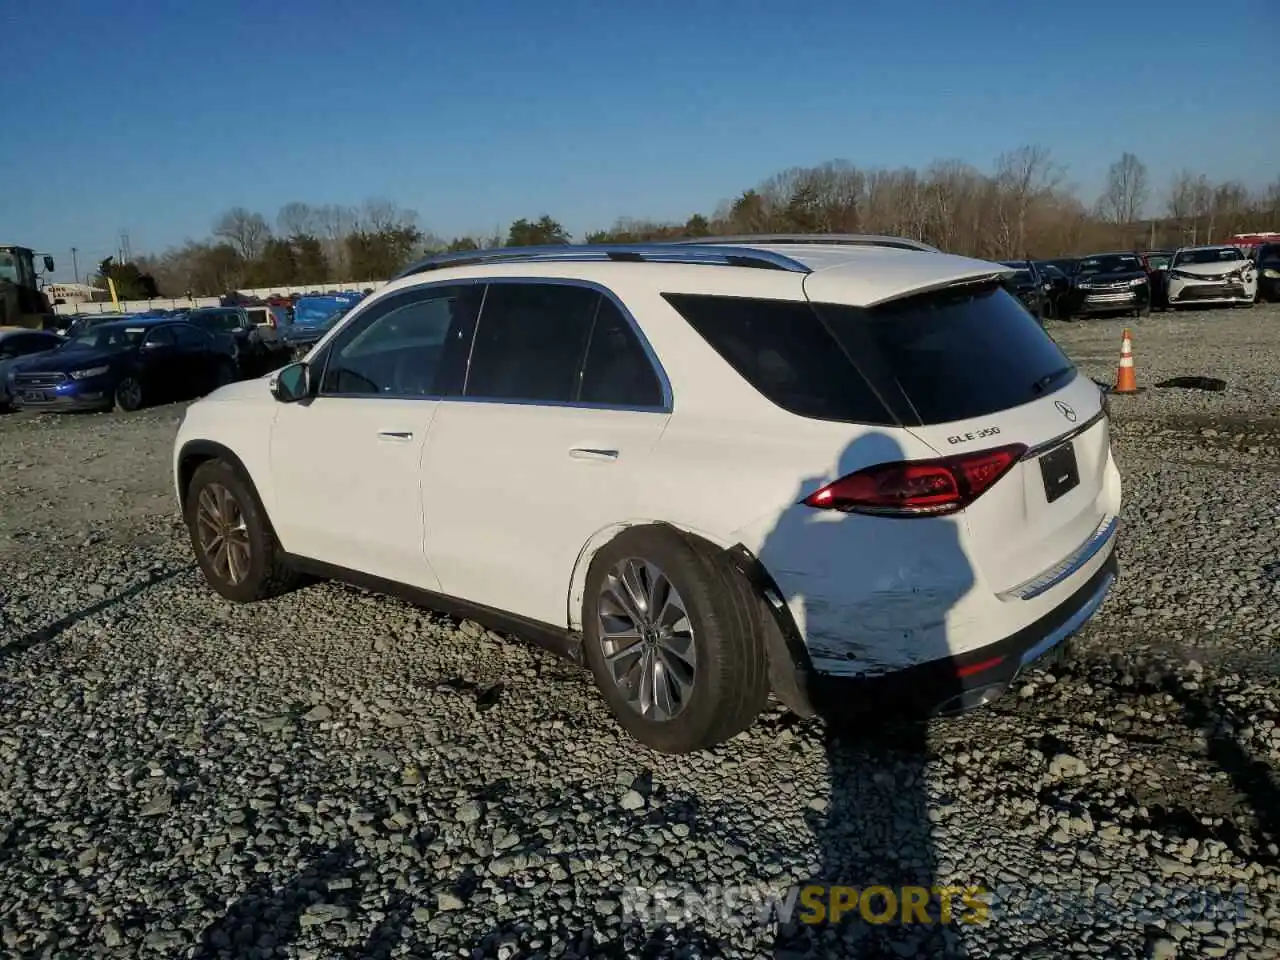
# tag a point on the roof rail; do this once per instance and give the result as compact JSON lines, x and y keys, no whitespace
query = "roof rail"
{"x":695,"y":252}
{"x":836,"y":239}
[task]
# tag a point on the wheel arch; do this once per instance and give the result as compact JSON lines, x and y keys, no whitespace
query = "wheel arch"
{"x":195,"y":453}
{"x":602,"y":538}
{"x":790,"y":666}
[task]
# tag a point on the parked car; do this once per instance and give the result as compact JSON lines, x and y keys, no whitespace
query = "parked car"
{"x":125,"y":364}
{"x":272,"y":321}
{"x":1212,"y":275}
{"x":1057,"y":285}
{"x":1029,"y":286}
{"x":847,"y":473}
{"x":232,"y":324}
{"x":1066,"y":264}
{"x":301,"y":337}
{"x":1267,"y":261}
{"x":1105,"y":283}
{"x":1156,"y":263}
{"x":17,"y":343}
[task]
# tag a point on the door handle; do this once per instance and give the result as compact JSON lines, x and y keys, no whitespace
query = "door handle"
{"x":394,"y":435}
{"x":592,"y":453}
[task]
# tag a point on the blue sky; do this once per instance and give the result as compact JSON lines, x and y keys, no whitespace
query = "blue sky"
{"x":146,"y":118}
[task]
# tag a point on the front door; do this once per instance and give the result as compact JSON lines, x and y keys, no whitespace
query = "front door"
{"x":347,"y":463}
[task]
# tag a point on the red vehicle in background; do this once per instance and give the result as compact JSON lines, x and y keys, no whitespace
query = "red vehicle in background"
{"x":1249,"y":242}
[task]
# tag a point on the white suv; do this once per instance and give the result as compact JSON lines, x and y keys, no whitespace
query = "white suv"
{"x":842,"y":470}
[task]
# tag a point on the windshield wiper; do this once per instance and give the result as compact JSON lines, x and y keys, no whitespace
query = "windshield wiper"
{"x":1049,"y":378}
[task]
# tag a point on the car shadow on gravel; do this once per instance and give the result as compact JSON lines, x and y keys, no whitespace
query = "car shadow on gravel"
{"x":52,"y":630}
{"x":879,"y":891}
{"x":267,"y":917}
{"x":1252,"y":780}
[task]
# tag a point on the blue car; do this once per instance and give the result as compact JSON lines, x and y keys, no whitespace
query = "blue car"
{"x":313,"y":317}
{"x":123,"y":363}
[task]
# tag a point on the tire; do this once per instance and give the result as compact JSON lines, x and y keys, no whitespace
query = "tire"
{"x":264,"y":573}
{"x":729,"y":685}
{"x":128,"y":394}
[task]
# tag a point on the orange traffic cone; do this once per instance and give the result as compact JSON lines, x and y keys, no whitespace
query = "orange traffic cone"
{"x":1126,"y":377}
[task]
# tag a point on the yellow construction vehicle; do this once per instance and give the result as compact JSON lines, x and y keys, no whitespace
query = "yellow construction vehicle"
{"x":22,"y":299}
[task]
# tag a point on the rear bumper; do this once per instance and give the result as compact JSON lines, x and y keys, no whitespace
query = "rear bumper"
{"x":968,"y":680}
{"x":948,"y":685}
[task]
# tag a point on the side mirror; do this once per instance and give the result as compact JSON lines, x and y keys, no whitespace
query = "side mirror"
{"x":48,"y":264}
{"x":292,"y":383}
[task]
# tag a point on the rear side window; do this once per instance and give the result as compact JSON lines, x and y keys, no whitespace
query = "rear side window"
{"x":951,"y":355}
{"x":782,"y":348}
{"x":617,"y":370}
{"x":530,"y":341}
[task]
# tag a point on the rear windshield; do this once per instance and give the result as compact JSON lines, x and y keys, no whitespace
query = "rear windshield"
{"x":922,"y":360}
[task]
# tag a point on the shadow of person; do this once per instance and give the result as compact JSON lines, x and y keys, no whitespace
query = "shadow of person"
{"x":875,"y":599}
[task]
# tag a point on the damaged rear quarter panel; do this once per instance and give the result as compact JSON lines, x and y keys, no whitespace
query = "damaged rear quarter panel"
{"x":871,"y":595}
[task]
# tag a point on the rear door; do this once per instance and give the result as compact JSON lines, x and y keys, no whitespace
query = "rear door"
{"x":969,"y":370}
{"x":561,"y":411}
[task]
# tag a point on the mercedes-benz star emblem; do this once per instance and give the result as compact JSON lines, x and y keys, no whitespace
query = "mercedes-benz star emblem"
{"x":1065,"y":410}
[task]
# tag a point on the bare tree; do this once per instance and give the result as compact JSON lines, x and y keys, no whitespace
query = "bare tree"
{"x":246,"y":231}
{"x":1023,"y":177}
{"x":297,"y":220}
{"x":1126,"y":192}
{"x":375,"y":216}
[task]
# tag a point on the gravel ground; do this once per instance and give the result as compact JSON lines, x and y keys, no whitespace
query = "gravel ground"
{"x":335,"y":774}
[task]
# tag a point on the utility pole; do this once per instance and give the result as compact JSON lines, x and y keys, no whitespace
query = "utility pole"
{"x":75,"y":264}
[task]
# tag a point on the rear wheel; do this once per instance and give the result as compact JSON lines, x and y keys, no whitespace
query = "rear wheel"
{"x":233,"y":541}
{"x":673,"y":637}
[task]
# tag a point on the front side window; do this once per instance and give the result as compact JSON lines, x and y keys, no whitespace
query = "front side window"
{"x":530,"y":342}
{"x":410,"y":344}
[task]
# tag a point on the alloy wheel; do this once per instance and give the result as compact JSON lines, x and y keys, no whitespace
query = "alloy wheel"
{"x":223,"y":535}
{"x":646,"y":637}
{"x":130,"y":393}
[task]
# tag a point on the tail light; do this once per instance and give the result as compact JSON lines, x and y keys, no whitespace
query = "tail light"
{"x":918,"y":488}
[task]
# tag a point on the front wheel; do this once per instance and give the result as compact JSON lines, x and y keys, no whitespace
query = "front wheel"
{"x":233,"y":541}
{"x":674,"y":637}
{"x":128,"y":394}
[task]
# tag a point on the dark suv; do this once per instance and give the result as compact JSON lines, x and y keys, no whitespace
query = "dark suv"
{"x":1110,"y":283}
{"x":1267,"y":257}
{"x":234,"y":325}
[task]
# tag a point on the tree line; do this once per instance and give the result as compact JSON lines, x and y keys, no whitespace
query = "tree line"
{"x":1023,"y":207}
